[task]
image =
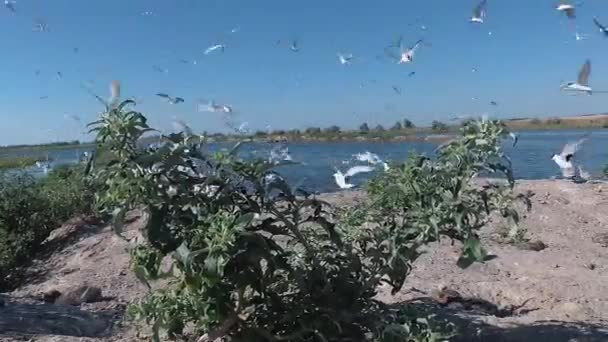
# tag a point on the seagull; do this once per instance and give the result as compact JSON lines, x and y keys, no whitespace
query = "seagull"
{"x":582,"y":84}
{"x":493,"y":103}
{"x":371,"y":158}
{"x":564,"y":159}
{"x":171,"y":100}
{"x":211,"y":106}
{"x":345,"y":59}
{"x":397,"y":90}
{"x":59,"y":75}
{"x":567,"y":7}
{"x":601,"y":27}
{"x":406,"y":55}
{"x":340,"y":177}
{"x":10,"y":4}
{"x":583,"y":174}
{"x":479,"y":13}
{"x":412,"y":73}
{"x":280,"y":153}
{"x":159,"y":69}
{"x":212,"y":48}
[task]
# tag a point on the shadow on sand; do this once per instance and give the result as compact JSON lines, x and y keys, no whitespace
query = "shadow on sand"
{"x":471,"y":327}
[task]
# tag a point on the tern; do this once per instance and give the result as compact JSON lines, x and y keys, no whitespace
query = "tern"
{"x":220,"y":47}
{"x":340,"y":177}
{"x":566,"y":7}
{"x":479,"y":13}
{"x":564,"y":158}
{"x":601,"y":27}
{"x":582,"y":84}
{"x":405,"y":55}
{"x":171,"y":100}
{"x":345,"y":58}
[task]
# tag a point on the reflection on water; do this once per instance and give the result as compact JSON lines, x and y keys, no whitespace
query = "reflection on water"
{"x":531,"y":157}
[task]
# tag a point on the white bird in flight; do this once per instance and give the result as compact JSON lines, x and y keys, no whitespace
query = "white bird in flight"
{"x":340,"y":177}
{"x":564,"y":158}
{"x":372,"y":159}
{"x":566,"y":7}
{"x":479,"y":13}
{"x":171,"y":100}
{"x":220,"y":47}
{"x":405,"y":55}
{"x":213,"y":107}
{"x":582,"y":83}
{"x":345,"y":59}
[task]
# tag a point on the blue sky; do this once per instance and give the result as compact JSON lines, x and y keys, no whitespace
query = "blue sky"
{"x":520,"y":65}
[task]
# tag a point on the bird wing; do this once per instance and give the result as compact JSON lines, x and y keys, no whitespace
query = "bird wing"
{"x":178,"y":100}
{"x":163,"y":95}
{"x":390,"y":52}
{"x":416,"y":45}
{"x":583,"y":75}
{"x":572,"y":147}
{"x":600,"y":26}
{"x":358,"y":169}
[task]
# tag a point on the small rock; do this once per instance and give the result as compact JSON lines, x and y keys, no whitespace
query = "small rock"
{"x":590,"y":266}
{"x":536,"y":246}
{"x":79,"y":295}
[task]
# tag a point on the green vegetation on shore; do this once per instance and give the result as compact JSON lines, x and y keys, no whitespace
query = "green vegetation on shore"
{"x":64,"y":145}
{"x":17,"y":162}
{"x":30,"y":209}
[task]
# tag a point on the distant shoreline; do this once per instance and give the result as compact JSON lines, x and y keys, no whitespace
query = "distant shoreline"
{"x":418,"y":134}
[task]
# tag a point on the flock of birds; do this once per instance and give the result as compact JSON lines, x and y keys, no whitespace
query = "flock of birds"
{"x":399,"y":52}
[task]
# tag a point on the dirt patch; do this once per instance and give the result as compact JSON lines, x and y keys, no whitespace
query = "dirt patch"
{"x":554,"y":294}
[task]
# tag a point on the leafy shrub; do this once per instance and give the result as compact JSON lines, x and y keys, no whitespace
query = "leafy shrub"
{"x":408,"y":124}
{"x":364,"y":127}
{"x":254,"y":262}
{"x":31,"y":209}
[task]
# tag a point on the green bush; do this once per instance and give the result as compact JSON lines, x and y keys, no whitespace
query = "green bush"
{"x":254,"y":262}
{"x":30,"y":209}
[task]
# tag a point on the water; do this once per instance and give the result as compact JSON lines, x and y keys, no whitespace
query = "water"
{"x":531,"y":157}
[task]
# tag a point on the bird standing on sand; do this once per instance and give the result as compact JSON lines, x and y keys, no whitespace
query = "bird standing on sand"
{"x":340,"y":177}
{"x":479,"y":13}
{"x":582,"y":83}
{"x":564,"y":158}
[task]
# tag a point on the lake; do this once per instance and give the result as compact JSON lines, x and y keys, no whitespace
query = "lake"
{"x":531,"y":157}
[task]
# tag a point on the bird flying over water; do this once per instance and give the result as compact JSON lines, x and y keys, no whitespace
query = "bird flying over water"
{"x":582,"y":83}
{"x":404,"y":55}
{"x":479,"y":13}
{"x":341,"y":178}
{"x":567,"y":7}
{"x":564,"y":158}
{"x":171,"y":100}
{"x":601,"y":27}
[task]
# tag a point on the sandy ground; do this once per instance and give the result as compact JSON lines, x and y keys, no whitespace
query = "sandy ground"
{"x":564,"y":287}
